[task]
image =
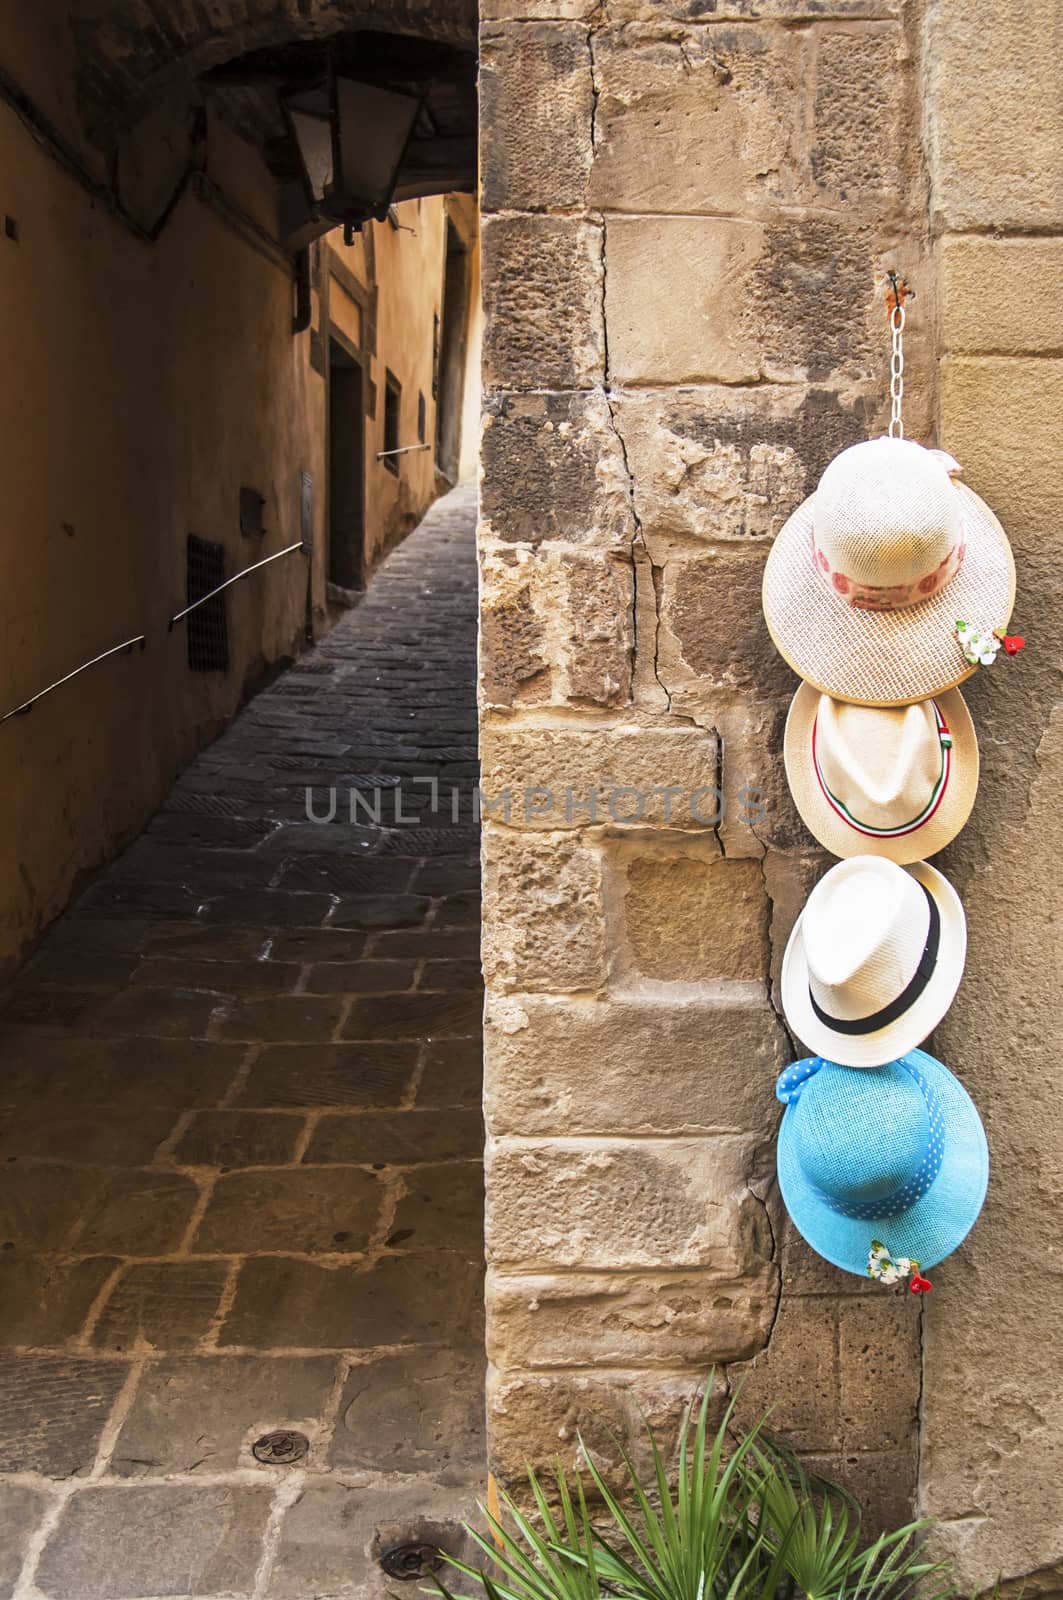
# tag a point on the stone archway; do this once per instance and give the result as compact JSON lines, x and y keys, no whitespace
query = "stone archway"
{"x":130,"y":54}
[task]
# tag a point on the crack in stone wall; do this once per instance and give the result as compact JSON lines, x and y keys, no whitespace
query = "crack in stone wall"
{"x":684,"y":225}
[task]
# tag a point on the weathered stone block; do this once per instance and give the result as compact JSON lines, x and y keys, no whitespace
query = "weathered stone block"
{"x":797,"y":1377}
{"x":675,"y":293}
{"x":407,"y":1137}
{"x":713,"y":626}
{"x":996,"y":159}
{"x":46,"y":1301}
{"x":619,"y":1204}
{"x":544,"y":926}
{"x":882,"y":1482}
{"x":280,"y":1017}
{"x":727,"y":10}
{"x":414,"y":1016}
{"x":536,"y":113}
{"x":115,"y":1072}
{"x":41,"y":1207}
{"x":515,"y":666}
{"x":177,"y":1425}
{"x":684,"y":1319}
{"x":691,"y":916}
{"x":1009,"y":447}
{"x":537,"y":10}
{"x":879,"y":1354}
{"x":169,"y":1539}
{"x":553,"y":468}
{"x":599,"y":640}
{"x":138,"y":1213}
{"x":167,"y":1305}
{"x":330,"y":1075}
{"x":117,"y":1135}
{"x":334,"y":1534}
{"x":441,"y":1209}
{"x":759,"y":814}
{"x":54,"y":1409}
{"x":715,"y":463}
{"x":803,"y":1271}
{"x":537,"y":1420}
{"x":542,"y":289}
{"x":789,"y":881}
{"x":858,"y":153}
{"x":610,"y":777}
{"x":314,"y":1210}
{"x":556,"y":627}
{"x":646,"y":1065}
{"x":439,"y":1428}
{"x":453,"y":1073}
{"x":695,"y":120}
{"x":238,"y":1139}
{"x":411,"y":1299}
{"x":1001,"y":296}
{"x":21,"y":1509}
{"x":709,"y":299}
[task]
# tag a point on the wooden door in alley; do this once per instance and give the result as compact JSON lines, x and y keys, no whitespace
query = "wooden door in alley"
{"x":346,"y":468}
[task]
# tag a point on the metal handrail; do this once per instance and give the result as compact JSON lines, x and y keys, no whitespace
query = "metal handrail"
{"x":141,"y":638}
{"x":28,"y":705}
{"x":403,"y":449}
{"x":298,"y":545}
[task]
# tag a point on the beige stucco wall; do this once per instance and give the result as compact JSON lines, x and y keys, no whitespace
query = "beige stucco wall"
{"x":992,"y":1431}
{"x":146,"y":384}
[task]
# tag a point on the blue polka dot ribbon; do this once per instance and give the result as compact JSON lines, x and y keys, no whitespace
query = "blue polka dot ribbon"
{"x":789,"y":1084}
{"x":788,"y":1089}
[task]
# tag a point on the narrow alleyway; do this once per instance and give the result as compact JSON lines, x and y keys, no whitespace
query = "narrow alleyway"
{"x":241,"y":1139}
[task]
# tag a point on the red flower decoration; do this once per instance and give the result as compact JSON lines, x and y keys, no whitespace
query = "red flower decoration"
{"x":1013,"y":643}
{"x":841,"y":583}
{"x":919,"y":1284}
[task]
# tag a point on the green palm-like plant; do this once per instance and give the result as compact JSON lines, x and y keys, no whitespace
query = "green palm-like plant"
{"x":816,"y":1526}
{"x":741,"y":1524}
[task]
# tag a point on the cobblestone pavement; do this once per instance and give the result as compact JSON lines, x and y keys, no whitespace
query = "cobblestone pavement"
{"x":240,"y":1145}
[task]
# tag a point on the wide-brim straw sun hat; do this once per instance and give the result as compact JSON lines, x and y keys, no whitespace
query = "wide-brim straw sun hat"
{"x":874,"y":960}
{"x":868,"y":578}
{"x":892,"y":781}
{"x":896,"y":1156}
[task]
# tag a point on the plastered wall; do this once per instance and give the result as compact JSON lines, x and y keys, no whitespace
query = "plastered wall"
{"x":144,"y":385}
{"x":992,"y":1433}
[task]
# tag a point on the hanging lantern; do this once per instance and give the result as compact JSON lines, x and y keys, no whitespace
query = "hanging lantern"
{"x":352,"y":138}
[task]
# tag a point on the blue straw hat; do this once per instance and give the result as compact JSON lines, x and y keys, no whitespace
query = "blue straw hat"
{"x":894,"y":1155}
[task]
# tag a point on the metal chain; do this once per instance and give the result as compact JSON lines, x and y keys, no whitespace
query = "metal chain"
{"x":896,"y":371}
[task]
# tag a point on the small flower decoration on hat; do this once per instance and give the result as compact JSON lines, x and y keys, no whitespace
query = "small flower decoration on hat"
{"x":980,"y":647}
{"x":890,"y":1270}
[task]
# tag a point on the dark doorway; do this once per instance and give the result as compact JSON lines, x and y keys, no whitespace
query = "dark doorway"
{"x":452,"y":356}
{"x":346,"y":469}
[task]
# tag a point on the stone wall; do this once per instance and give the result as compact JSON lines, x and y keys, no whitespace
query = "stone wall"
{"x":686,"y":225}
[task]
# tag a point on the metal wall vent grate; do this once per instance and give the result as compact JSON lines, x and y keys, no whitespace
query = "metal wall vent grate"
{"x":208,"y":627}
{"x":207,"y":805}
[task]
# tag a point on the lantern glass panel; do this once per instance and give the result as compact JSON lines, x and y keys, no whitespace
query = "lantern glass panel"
{"x":373,"y":129}
{"x":312,"y":124}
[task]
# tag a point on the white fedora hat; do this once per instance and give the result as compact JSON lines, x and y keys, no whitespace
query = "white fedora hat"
{"x":894,"y":781}
{"x":874,"y":960}
{"x":866,"y":581}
